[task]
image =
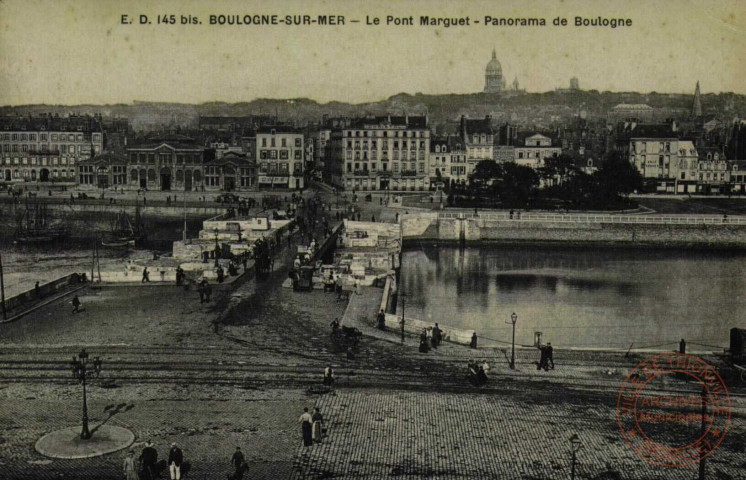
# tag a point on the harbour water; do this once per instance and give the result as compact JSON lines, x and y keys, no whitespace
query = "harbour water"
{"x":582,"y":298}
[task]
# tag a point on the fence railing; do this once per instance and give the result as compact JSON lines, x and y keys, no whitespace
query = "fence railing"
{"x":601,"y":218}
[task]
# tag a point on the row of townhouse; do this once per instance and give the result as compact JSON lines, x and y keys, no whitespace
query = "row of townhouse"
{"x":47,"y":148}
{"x":70,"y":150}
{"x":670,"y":164}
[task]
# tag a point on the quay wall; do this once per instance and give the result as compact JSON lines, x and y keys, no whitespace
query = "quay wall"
{"x":32,"y":296}
{"x":428,"y":226}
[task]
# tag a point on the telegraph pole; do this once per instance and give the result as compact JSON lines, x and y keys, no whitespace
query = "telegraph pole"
{"x":2,"y":288}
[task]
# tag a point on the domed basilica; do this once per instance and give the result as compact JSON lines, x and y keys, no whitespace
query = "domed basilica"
{"x":493,"y":76}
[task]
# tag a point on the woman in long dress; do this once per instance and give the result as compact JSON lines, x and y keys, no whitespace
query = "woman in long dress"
{"x":318,"y":423}
{"x":305,"y":423}
{"x":130,"y":470}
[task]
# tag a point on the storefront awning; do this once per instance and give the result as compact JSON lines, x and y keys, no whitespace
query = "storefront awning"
{"x":280,"y":180}
{"x":265,"y":180}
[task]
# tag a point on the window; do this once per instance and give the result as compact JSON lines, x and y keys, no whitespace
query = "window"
{"x":298,"y":142}
{"x":299,"y":155}
{"x":283,"y":142}
{"x":283,"y":154}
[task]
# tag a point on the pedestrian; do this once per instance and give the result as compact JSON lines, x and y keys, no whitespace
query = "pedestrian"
{"x":543,"y":358}
{"x":424,"y":347}
{"x":130,"y":471}
{"x":437,"y":336}
{"x":37,"y":290}
{"x":148,"y":461}
{"x":237,"y":460}
{"x":221,"y":274}
{"x":381,"y":320}
{"x":207,"y":290}
{"x":179,"y":276}
{"x":511,"y":214}
{"x":473,"y":343}
{"x":550,"y":353}
{"x":373,"y":218}
{"x":76,"y":304}
{"x":175,"y":459}
{"x":356,"y":287}
{"x":318,"y":424}
{"x":145,"y":275}
{"x":306,"y":422}
{"x":201,"y":290}
{"x":329,"y":376}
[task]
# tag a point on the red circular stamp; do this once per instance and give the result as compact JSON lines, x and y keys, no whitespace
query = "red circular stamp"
{"x":673,"y":409}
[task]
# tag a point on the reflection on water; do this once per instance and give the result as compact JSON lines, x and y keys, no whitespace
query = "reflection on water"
{"x":580,"y":297}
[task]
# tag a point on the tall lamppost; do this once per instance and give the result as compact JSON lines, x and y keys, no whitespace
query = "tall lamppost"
{"x":217,"y":248}
{"x":81,"y":371}
{"x":513,"y":319}
{"x":574,"y":447}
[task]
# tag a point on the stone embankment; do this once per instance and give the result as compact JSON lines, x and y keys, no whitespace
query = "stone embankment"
{"x":699,"y":231}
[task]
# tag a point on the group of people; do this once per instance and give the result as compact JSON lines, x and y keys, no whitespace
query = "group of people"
{"x":429,"y":338}
{"x":478,"y":372}
{"x":147,"y":467}
{"x":312,"y":427}
{"x":205,"y":291}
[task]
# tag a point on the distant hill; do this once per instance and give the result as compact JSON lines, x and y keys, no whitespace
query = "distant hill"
{"x":440,"y":108}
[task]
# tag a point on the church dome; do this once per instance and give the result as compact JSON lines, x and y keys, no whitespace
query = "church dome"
{"x":494,"y":67}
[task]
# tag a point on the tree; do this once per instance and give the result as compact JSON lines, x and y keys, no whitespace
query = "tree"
{"x":618,"y":177}
{"x":485,"y":172}
{"x":518,"y":185}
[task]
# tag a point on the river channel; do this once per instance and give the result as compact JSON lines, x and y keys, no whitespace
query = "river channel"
{"x":582,"y":298}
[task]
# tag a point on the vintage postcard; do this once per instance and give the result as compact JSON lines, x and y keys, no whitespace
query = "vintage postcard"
{"x":384,"y":239}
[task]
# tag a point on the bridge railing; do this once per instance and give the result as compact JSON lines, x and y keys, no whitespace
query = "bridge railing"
{"x":601,"y":218}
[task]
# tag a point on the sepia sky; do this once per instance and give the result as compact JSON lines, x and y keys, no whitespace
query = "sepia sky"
{"x":70,"y":52}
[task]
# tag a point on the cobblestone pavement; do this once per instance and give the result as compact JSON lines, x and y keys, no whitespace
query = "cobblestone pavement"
{"x":438,"y":435}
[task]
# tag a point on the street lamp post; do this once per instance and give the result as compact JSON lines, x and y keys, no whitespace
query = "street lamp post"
{"x":217,"y":248}
{"x":513,"y":319}
{"x":574,"y":447}
{"x":81,"y":371}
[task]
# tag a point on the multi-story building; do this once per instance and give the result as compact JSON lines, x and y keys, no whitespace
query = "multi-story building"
{"x":231,"y":171}
{"x":105,"y":170}
{"x":447,"y":160}
{"x":686,"y":169}
{"x":654,"y":151}
{"x":738,"y":176}
{"x":714,"y":172}
{"x":47,"y":148}
{"x":171,"y":162}
{"x":379,"y":153}
{"x":280,"y":157}
{"x":534,"y":150}
{"x":478,"y":138}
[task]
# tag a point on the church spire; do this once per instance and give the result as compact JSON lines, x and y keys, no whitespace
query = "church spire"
{"x":494,"y":53}
{"x":697,"y":106}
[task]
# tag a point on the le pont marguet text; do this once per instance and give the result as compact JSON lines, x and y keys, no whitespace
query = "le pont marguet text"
{"x":249,"y":20}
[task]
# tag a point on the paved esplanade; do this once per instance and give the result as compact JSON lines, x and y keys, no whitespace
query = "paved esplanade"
{"x":396,"y":411}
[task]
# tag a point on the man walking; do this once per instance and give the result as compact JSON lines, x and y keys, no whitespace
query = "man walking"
{"x":175,"y":459}
{"x":207,"y":289}
{"x":543,"y":358}
{"x":145,"y":275}
{"x":550,"y":352}
{"x":237,"y":460}
{"x":76,"y":304}
{"x":381,"y":320}
{"x":148,"y":461}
